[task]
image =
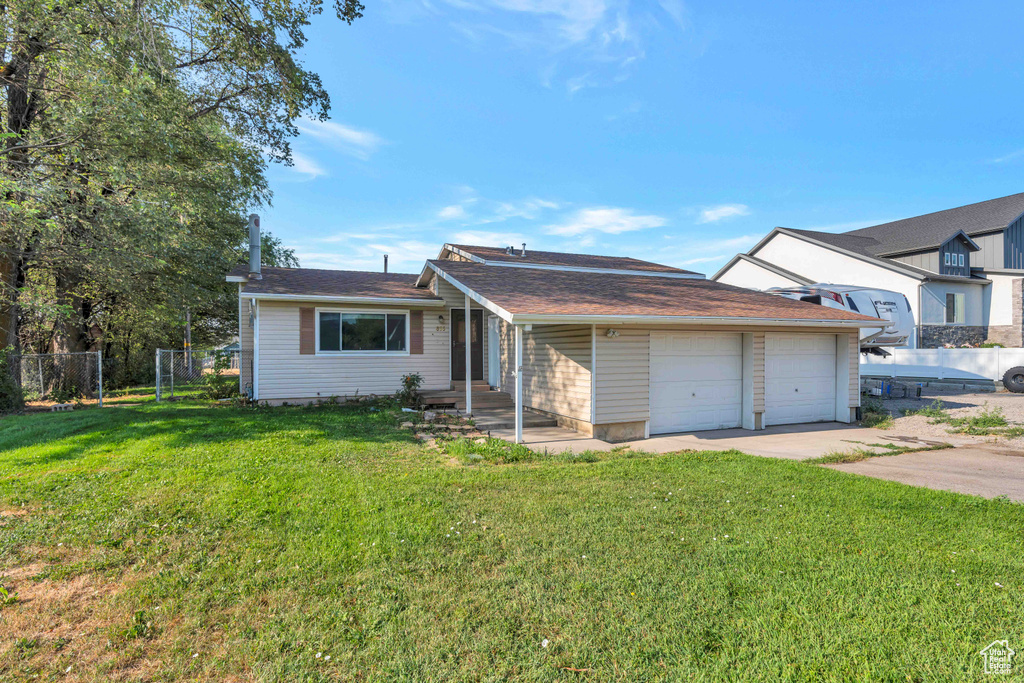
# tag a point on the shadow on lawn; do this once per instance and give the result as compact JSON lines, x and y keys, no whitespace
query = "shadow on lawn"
{"x":60,"y":437}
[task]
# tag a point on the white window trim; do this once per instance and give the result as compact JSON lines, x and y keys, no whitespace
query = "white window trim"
{"x":342,"y":352}
{"x":946,"y":258}
{"x":961,"y":260}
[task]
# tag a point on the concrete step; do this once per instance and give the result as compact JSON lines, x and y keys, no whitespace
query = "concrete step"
{"x":505,"y":418}
{"x":478,"y":385}
{"x":481,"y":399}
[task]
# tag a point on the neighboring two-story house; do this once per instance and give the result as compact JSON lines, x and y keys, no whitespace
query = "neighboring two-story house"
{"x":960,"y":269}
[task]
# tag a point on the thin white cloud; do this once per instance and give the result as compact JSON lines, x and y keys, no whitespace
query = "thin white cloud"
{"x":609,"y":220}
{"x":306,"y":166}
{"x":452,"y":212}
{"x":601,"y":39}
{"x":713,"y":214}
{"x":355,"y":142}
{"x":488,"y":238}
{"x":1008,"y":157}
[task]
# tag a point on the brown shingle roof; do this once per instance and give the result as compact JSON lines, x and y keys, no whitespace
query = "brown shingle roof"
{"x":342,"y":283}
{"x":523,"y":291}
{"x":557,"y":258}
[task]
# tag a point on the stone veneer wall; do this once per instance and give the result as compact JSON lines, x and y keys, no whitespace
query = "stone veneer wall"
{"x":1011,"y":335}
{"x":934,"y":336}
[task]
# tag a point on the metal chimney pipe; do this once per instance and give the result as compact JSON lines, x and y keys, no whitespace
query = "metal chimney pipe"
{"x":524,"y":249}
{"x":255,"y":256}
{"x":385,"y":264}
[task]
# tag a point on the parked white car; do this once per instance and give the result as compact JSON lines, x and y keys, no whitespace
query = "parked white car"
{"x":880,"y":303}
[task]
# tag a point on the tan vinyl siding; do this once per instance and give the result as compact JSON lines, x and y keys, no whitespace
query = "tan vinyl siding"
{"x":991,"y":256}
{"x":556,"y":368}
{"x":623,"y":376}
{"x":928,"y":260}
{"x":453,"y":298}
{"x":854,"y":361}
{"x":758,"y":372}
{"x":245,"y":336}
{"x":286,"y":374}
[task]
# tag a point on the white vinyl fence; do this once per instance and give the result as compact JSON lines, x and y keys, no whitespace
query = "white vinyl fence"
{"x":953,"y":364}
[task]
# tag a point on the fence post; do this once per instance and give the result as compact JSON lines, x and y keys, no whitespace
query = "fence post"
{"x":942,"y":362}
{"x":42,"y":387}
{"x":892,"y":371}
{"x":172,"y":373}
{"x":158,"y":375}
{"x":99,"y":365}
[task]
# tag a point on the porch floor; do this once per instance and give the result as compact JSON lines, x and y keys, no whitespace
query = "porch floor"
{"x":490,"y":419}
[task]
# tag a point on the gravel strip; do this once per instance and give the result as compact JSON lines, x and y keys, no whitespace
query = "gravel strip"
{"x":957,"y":405}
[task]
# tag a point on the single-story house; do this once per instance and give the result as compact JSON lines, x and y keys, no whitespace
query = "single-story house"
{"x":613,"y":347}
{"x":962,"y":269}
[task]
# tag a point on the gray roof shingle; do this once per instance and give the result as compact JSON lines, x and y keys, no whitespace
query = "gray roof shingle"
{"x":340,"y":283}
{"x":933,"y":229}
{"x":527,"y":291}
{"x":558,"y":258}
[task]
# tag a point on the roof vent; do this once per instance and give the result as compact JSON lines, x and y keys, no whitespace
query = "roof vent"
{"x":524,"y":249}
{"x":509,"y":251}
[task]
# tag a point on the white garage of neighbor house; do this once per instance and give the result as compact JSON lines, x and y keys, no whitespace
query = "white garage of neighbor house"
{"x":613,"y":347}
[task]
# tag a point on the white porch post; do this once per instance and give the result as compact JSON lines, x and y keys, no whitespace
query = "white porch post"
{"x":469,"y":360}
{"x":519,"y":383}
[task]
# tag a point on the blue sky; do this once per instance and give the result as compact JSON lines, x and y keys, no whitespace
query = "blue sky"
{"x":679,"y":132}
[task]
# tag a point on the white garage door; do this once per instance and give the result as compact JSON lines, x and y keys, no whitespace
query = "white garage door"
{"x":800,"y":378}
{"x":696,"y":381}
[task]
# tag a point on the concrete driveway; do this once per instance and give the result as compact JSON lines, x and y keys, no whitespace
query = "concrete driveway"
{"x":792,"y":442}
{"x":974,"y":466}
{"x":977,"y":470}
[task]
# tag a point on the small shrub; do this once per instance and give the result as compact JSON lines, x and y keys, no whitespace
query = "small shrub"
{"x":874,"y":415}
{"x":936,"y":410}
{"x":408,"y":395}
{"x":66,"y":392}
{"x":217,"y":385}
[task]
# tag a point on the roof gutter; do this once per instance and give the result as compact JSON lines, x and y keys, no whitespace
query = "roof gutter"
{"x":527,"y":319}
{"x":378,"y":300}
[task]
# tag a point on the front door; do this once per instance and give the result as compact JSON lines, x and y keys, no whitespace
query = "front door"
{"x":459,"y":343}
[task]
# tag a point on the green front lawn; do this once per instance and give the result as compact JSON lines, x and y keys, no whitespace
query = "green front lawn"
{"x":185,"y":542}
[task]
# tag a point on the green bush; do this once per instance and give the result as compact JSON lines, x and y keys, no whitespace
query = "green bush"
{"x":11,"y":397}
{"x":408,"y":395}
{"x":216,"y":385}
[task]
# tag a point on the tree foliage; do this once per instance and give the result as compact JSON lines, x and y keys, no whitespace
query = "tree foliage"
{"x":133,"y":144}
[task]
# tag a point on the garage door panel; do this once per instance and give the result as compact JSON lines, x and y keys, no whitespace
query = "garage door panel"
{"x":800,"y":378}
{"x":696,"y":381}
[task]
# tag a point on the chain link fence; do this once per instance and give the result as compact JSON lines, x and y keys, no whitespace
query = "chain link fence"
{"x":61,"y":377}
{"x":206,"y":373}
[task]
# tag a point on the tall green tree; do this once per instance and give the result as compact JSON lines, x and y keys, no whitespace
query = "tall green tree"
{"x":134,"y":143}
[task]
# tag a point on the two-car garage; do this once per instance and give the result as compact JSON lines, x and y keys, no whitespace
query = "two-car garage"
{"x":697,"y":379}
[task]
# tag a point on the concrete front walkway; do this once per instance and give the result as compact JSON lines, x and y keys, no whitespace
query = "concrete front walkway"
{"x":793,"y":442}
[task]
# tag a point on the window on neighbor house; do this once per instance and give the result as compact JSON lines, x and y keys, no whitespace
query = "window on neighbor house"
{"x":946,"y":258}
{"x":961,"y":260}
{"x":955,"y":308}
{"x":341,"y":332}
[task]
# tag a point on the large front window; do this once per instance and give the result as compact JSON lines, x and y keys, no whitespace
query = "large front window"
{"x":341,"y":332}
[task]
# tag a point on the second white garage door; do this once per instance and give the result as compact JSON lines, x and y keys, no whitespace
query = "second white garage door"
{"x":800,"y":378}
{"x":696,"y":381}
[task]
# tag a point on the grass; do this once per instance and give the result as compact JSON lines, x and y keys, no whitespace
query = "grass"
{"x":180,"y":541}
{"x":873,"y":414}
{"x":989,"y":422}
{"x":865,"y":451}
